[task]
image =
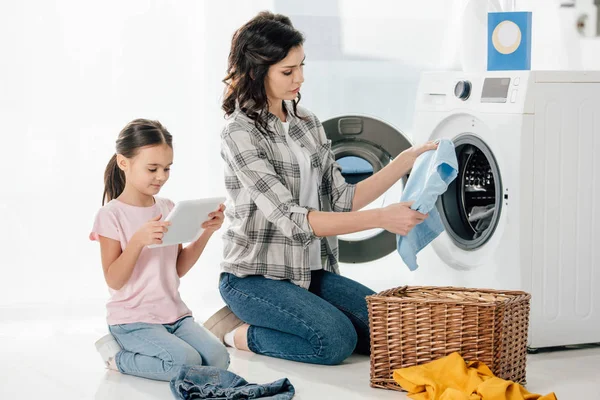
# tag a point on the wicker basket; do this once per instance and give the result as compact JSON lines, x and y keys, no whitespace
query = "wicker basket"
{"x":415,"y":325}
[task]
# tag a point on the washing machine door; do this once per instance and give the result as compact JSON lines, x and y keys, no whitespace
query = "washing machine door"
{"x":471,"y":206}
{"x":362,"y":146}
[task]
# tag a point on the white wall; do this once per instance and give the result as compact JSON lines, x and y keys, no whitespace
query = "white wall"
{"x":73,"y":73}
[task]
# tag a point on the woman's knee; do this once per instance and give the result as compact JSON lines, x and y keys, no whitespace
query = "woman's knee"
{"x":338,"y":342}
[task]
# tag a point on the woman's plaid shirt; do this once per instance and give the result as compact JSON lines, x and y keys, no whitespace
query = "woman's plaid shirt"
{"x":269,"y":233}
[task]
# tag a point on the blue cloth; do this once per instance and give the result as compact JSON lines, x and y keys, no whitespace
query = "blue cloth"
{"x":432,"y":173}
{"x":199,"y":382}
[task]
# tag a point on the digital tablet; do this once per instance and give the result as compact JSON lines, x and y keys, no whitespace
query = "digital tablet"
{"x":186,"y":220}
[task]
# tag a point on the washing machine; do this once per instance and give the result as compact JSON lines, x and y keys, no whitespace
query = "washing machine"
{"x":523,"y":212}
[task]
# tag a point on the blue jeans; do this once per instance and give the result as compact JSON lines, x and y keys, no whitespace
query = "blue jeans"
{"x":157,"y":351}
{"x":321,"y":325}
{"x":195,"y":382}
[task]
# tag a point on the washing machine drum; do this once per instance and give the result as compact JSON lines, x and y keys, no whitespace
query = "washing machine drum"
{"x":363,"y":146}
{"x":470,"y":207}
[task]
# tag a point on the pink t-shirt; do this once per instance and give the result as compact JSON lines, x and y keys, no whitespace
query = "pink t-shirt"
{"x":152,"y":293}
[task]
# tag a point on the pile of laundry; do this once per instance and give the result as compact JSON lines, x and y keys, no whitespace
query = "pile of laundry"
{"x":451,"y":378}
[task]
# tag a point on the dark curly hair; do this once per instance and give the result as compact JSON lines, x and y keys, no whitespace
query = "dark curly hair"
{"x":263,"y":41}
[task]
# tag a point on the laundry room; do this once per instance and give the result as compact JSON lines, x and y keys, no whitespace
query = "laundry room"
{"x":317,"y":199}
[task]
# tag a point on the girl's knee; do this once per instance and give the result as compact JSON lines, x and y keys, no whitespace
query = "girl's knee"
{"x":219,"y":359}
{"x":186,"y":356}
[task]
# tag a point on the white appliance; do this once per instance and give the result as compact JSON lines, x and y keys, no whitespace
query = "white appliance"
{"x":528,"y":145}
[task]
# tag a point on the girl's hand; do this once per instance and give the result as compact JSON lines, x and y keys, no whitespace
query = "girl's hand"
{"x":151,"y":232}
{"x":217,"y":218}
{"x":399,"y":218}
{"x":414,"y":152}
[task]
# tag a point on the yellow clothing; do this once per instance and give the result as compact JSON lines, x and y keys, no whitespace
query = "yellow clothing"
{"x":450,"y":378}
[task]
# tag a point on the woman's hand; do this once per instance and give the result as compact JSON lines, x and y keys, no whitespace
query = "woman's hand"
{"x":414,"y":152}
{"x":216,"y":220}
{"x":399,"y":218}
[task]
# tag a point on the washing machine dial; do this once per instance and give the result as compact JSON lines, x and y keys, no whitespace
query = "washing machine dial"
{"x":462,"y":90}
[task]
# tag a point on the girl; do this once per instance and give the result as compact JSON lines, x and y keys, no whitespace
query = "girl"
{"x":154,"y":330}
{"x":289,"y":201}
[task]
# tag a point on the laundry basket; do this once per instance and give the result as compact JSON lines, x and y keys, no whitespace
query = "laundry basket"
{"x":418,"y":324}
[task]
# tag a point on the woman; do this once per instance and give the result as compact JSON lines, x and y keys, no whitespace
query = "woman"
{"x":288,"y":203}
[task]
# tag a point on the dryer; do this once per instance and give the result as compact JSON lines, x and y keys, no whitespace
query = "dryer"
{"x":524,"y":211}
